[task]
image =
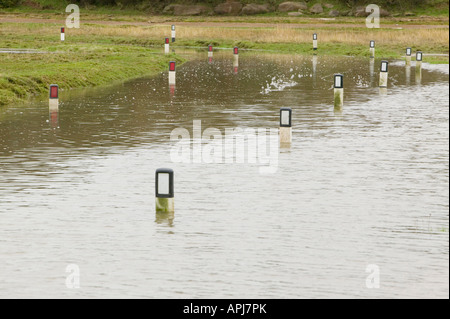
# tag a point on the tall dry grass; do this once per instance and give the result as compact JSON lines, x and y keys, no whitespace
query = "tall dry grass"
{"x":431,"y":37}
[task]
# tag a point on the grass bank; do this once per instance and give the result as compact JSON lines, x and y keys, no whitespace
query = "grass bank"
{"x":74,"y":64}
{"x":101,"y":53}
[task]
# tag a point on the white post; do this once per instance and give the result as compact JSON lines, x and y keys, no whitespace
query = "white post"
{"x":164,"y":190}
{"x":384,"y":74}
{"x":419,"y":57}
{"x":372,"y":49}
{"x":372,"y":70}
{"x":315,"y":41}
{"x":63,"y":34}
{"x":210,"y":51}
{"x":173,"y":33}
{"x":172,"y":73}
{"x":235,"y":60}
{"x":338,"y":91}
{"x":408,"y":56}
{"x":166,"y":46}
{"x":285,"y":125}
{"x":53,"y":98}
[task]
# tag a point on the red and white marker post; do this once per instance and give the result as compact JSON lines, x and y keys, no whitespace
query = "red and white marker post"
{"x":172,"y":75}
{"x":53,"y":98}
{"x":235,"y":59}
{"x":166,"y":46}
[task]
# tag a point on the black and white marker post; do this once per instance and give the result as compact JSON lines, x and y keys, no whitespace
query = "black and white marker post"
{"x":372,"y":49}
{"x":338,"y":91}
{"x":164,"y":190}
{"x":384,"y":71}
{"x":173,"y":33}
{"x":315,"y":41}
{"x":372,"y":70}
{"x":419,"y":57}
{"x":408,"y":56}
{"x":285,"y":126}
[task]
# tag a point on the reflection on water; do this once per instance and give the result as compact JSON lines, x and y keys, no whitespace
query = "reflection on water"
{"x":364,"y":185}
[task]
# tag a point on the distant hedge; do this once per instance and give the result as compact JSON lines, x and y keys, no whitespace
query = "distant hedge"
{"x":161,"y":3}
{"x":9,"y":3}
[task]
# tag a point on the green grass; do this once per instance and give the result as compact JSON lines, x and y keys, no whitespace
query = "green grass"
{"x":73,"y":66}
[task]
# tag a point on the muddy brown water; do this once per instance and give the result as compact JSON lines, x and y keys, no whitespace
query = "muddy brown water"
{"x":359,"y":187}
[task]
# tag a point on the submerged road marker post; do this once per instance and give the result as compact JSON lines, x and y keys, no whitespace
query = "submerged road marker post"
{"x":63,"y":34}
{"x":338,"y":91}
{"x":210,"y":53}
{"x":235,"y":59}
{"x":408,"y":56}
{"x":384,"y":71}
{"x":372,"y":70}
{"x":419,"y":57}
{"x":384,"y":74}
{"x":372,"y":49}
{"x":173,"y":33}
{"x":53,"y":102}
{"x":172,"y":72}
{"x":172,"y":76}
{"x":285,"y":125}
{"x":164,"y":190}
{"x":166,"y":46}
{"x":315,"y":41}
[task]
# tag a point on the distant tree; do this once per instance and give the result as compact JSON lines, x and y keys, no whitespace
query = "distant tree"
{"x":9,"y":3}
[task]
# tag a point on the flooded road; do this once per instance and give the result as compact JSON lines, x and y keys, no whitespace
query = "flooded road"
{"x":362,"y":192}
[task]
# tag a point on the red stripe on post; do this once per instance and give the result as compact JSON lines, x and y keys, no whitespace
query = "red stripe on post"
{"x":62,"y":30}
{"x":210,"y":48}
{"x":167,"y":40}
{"x":236,"y":50}
{"x":172,"y":66}
{"x":53,"y":91}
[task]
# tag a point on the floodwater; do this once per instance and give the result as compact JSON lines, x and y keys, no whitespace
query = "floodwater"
{"x":357,"y":206}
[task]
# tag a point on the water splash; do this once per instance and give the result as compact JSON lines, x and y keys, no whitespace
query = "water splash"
{"x":278,"y":84}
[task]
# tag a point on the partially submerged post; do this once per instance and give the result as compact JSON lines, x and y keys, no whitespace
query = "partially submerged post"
{"x":408,"y":56}
{"x":384,"y":74}
{"x":419,"y":57}
{"x":315,"y":41}
{"x":235,"y":59}
{"x":338,"y":91}
{"x":172,"y":72}
{"x":164,"y":190}
{"x":210,"y":51}
{"x":285,"y":125}
{"x":53,"y":103}
{"x":372,"y":49}
{"x":314,"y":66}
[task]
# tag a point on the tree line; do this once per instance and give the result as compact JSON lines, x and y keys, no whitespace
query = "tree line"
{"x":162,"y":3}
